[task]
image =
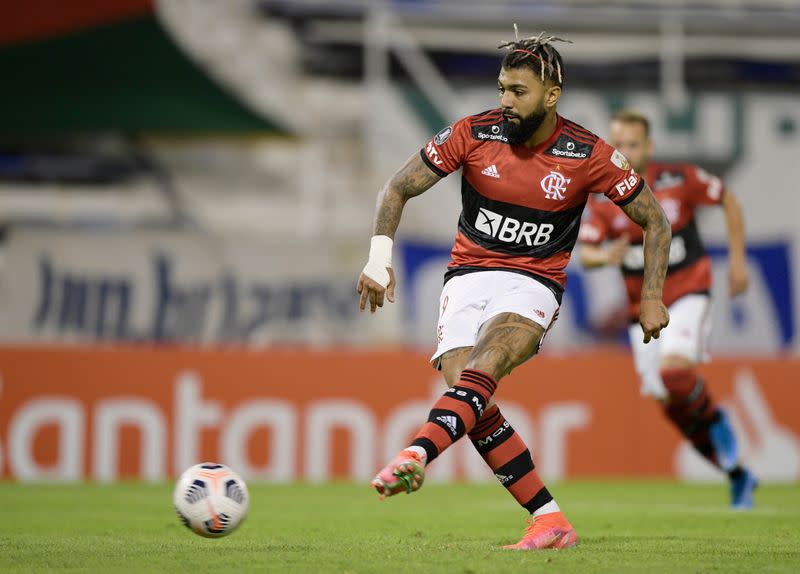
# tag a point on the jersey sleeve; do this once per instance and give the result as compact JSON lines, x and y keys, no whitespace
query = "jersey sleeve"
{"x":704,"y":188}
{"x":612,"y":175}
{"x":448,"y":149}
{"x":594,"y":226}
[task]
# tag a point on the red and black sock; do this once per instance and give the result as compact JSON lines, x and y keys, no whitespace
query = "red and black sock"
{"x":456,"y":412}
{"x":510,"y":460}
{"x":691,"y":409}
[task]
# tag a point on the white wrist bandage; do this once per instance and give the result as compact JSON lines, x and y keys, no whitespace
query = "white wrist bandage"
{"x":380,"y":257}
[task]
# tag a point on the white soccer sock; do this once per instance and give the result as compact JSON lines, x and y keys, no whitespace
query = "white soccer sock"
{"x":548,"y":508}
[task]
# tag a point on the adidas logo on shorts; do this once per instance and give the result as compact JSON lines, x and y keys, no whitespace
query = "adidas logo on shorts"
{"x":450,"y":422}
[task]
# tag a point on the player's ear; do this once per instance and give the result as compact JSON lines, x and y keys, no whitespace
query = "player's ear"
{"x":551,"y":96}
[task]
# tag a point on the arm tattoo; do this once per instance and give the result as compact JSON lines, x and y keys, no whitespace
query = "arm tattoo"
{"x":646,"y":211}
{"x":411,"y":180}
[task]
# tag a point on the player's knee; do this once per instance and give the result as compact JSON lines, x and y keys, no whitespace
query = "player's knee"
{"x":677,"y":374}
{"x":682,"y":384}
{"x":494,"y":361}
{"x":505,"y":342}
{"x":452,"y":363}
{"x":675,"y":361}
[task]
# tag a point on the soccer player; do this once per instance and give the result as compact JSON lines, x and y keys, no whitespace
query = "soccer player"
{"x":666,"y":368}
{"x":526,"y":175}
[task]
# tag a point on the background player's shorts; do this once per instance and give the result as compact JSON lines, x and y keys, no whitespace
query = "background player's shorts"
{"x":685,"y":336}
{"x":468,"y":301}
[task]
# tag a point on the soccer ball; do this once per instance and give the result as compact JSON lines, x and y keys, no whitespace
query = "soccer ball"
{"x":211,"y":499}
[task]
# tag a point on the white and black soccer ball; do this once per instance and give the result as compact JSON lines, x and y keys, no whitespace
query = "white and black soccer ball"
{"x":211,"y":499}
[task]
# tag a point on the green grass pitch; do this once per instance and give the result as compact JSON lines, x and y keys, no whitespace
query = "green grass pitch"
{"x":623,"y":526}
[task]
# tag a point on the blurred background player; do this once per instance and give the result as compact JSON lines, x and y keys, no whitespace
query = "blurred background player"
{"x":526,"y":176}
{"x":667,"y":367}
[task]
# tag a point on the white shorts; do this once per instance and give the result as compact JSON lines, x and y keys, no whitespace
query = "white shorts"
{"x":469,"y":300}
{"x":685,"y":336}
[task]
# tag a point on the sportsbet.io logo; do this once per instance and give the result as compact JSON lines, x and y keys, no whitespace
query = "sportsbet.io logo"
{"x":510,"y":230}
{"x":569,"y":152}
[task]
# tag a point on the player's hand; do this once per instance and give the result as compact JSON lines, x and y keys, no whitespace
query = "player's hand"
{"x":653,"y":317}
{"x":738,"y":278}
{"x":617,"y":249}
{"x":374,"y":293}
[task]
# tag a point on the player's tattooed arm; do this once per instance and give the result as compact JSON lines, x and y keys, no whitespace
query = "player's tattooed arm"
{"x":647,"y":213}
{"x":411,"y":180}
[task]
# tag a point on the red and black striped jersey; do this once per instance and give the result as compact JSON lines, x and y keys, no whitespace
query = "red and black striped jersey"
{"x":679,"y":189}
{"x":521,"y":207}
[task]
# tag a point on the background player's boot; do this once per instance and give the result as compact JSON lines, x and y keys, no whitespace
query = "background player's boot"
{"x":551,"y":530}
{"x":724,"y":442}
{"x":742,"y":486}
{"x":404,"y":474}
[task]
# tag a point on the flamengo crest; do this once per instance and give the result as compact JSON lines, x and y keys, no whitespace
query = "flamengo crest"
{"x":554,"y":185}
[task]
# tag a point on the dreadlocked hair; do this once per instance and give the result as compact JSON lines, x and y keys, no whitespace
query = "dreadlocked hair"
{"x":537,"y":54}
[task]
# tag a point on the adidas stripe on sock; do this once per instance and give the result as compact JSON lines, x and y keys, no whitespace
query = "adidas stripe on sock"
{"x":455,"y":413}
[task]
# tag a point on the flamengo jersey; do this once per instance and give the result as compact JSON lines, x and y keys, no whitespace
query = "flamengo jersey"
{"x":521,"y":207}
{"x":679,"y":188}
